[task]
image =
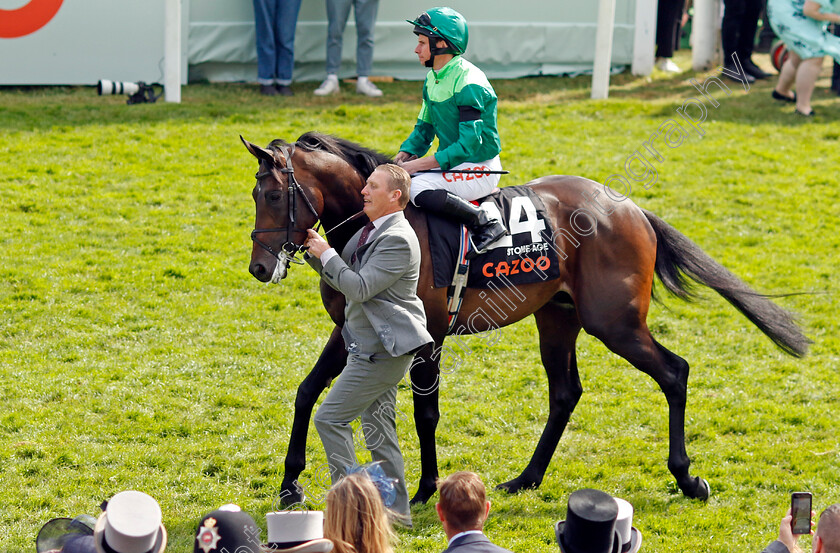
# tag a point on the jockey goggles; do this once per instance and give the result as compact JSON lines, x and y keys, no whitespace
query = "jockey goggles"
{"x":424,"y":25}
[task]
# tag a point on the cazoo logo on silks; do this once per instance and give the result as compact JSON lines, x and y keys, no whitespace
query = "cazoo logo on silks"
{"x":28,"y":18}
{"x":522,"y":219}
{"x":452,"y":177}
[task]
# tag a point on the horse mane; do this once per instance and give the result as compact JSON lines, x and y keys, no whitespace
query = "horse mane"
{"x":364,"y":160}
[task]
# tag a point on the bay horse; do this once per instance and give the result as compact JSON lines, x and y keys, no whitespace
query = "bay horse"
{"x":604,"y":288}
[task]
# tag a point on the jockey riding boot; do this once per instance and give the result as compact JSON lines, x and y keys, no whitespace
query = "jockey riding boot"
{"x":484,"y":230}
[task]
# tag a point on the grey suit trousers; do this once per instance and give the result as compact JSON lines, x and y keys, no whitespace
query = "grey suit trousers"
{"x":367,"y":388}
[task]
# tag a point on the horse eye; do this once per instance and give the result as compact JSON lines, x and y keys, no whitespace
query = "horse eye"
{"x":273,"y":196}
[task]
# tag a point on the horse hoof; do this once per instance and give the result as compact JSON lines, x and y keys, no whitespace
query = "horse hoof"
{"x":517,"y":485}
{"x":705,"y":491}
{"x":699,"y":489}
{"x":289,"y":497}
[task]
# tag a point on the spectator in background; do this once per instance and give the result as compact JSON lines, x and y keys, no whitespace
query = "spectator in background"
{"x":668,"y":18}
{"x":737,"y":35}
{"x":130,"y":522}
{"x":338,"y":11}
{"x":801,"y":24}
{"x":766,"y":36}
{"x":835,"y":76}
{"x":596,"y":522}
{"x":355,"y":518}
{"x":227,"y":528}
{"x":826,"y":539}
{"x":462,"y":510}
{"x":275,"y":22}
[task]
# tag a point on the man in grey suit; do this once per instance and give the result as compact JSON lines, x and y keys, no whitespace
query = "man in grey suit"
{"x":384,"y":326}
{"x":462,"y":509}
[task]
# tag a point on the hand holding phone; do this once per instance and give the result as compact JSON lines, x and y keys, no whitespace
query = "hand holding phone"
{"x":800,"y":511}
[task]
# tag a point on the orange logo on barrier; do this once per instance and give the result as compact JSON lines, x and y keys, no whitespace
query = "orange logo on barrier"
{"x":27,"y":19}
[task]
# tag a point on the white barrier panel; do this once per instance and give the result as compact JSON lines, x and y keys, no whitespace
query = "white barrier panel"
{"x":81,"y":41}
{"x":172,"y":51}
{"x":603,"y":49}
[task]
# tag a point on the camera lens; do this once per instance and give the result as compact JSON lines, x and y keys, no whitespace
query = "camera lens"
{"x":105,"y":87}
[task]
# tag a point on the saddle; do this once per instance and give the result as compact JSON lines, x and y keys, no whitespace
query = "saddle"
{"x":522,"y":257}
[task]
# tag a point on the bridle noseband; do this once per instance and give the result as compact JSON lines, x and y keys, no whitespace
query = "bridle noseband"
{"x":289,"y":249}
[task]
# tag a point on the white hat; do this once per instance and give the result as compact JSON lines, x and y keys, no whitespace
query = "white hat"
{"x":131,"y":523}
{"x":631,"y":539}
{"x":296,"y":532}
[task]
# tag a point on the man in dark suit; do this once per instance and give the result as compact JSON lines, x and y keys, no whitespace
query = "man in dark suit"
{"x":737,"y":35}
{"x":384,"y":326}
{"x":463,"y":507}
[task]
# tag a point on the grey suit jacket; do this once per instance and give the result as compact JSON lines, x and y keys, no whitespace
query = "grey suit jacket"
{"x":474,"y":543}
{"x":383,"y":312}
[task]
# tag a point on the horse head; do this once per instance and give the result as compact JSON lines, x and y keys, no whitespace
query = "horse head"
{"x":318,"y":179}
{"x":284,"y":210}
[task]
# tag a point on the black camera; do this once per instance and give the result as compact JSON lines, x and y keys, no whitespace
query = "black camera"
{"x":138,"y":93}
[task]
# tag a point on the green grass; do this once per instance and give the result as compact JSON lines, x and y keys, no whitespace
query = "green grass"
{"x":136,"y":352}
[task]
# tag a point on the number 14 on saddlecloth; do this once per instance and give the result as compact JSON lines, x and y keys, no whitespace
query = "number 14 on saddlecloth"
{"x":519,"y":206}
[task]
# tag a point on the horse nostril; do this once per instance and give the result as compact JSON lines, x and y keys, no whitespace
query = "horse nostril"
{"x":258,"y":270}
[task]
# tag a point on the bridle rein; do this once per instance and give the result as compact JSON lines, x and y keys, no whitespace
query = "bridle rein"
{"x":289,"y":249}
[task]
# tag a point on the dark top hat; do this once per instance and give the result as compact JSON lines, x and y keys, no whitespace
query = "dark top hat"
{"x":590,"y":524}
{"x":228,"y":528}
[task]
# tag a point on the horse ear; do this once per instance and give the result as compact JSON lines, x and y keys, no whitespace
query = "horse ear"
{"x":257,"y":152}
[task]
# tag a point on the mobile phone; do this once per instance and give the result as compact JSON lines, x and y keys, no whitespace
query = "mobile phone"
{"x":800,"y":511}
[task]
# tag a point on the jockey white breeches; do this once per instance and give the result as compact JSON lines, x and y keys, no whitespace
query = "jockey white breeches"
{"x":469,"y":186}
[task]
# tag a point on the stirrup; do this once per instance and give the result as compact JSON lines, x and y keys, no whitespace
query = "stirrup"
{"x":475,"y":250}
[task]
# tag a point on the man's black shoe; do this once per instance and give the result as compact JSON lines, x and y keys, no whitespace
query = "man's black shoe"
{"x":268,"y":90}
{"x":735,"y":74}
{"x":752,"y":69}
{"x":285,"y":90}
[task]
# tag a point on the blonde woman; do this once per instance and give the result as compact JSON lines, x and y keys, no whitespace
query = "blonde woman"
{"x":355,"y":518}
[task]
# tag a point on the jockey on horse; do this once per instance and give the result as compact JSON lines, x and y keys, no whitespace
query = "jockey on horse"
{"x":459,"y":107}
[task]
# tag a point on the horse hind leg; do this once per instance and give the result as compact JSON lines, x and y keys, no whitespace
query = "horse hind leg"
{"x":670,"y":372}
{"x":558,"y":327}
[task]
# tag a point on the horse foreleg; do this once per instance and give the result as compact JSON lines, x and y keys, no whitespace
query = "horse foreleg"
{"x":558,"y":328}
{"x":425,"y":385}
{"x":329,"y":365}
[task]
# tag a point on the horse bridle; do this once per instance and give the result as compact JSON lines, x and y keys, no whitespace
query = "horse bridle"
{"x":288,"y":250}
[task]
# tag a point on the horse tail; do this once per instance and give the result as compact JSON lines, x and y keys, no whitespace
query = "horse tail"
{"x":678,"y":259}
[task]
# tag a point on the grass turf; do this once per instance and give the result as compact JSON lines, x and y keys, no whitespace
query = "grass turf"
{"x":136,"y":352}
